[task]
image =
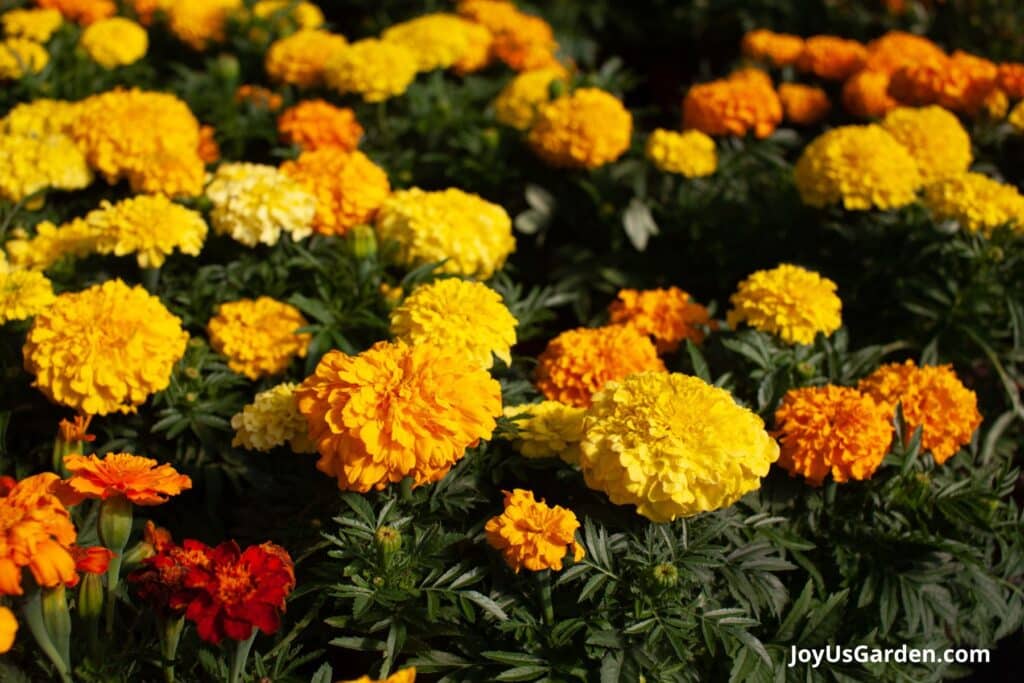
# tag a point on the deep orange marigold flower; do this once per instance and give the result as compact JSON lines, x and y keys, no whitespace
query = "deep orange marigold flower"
{"x":348,"y":186}
{"x":933,"y":398}
{"x":35,"y":532}
{"x":92,"y":560}
{"x":866,"y":94}
{"x":803,"y":105}
{"x":780,"y":49}
{"x":897,"y":49}
{"x":832,"y":429}
{"x":831,"y":57}
{"x":522,"y":41}
{"x":531,"y":534}
{"x":141,"y":480}
{"x":733,"y":106}
{"x":258,"y":96}
{"x":81,"y":11}
{"x":961,"y":82}
{"x":258,"y":336}
{"x":8,"y":629}
{"x":312,"y":124}
{"x":208,"y":150}
{"x":578,"y":363}
{"x":1010,"y":79}
{"x":668,"y":315}
{"x":396,"y":411}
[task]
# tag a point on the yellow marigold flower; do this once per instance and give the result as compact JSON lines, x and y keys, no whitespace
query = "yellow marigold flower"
{"x":897,"y":49}
{"x":349,"y":188}
{"x":83,"y":12}
{"x":548,"y":429}
{"x":578,"y":363}
{"x":39,"y":118}
{"x":303,"y":15}
{"x":20,"y":57}
{"x":976,"y":202}
{"x":465,"y":316}
{"x":8,"y":629}
{"x":788,"y":301}
{"x":691,"y":154}
{"x":271,"y":420}
{"x":866,"y":94}
{"x":104,"y":349}
{"x":521,"y":41}
{"x":733,"y":106}
{"x":533,"y":535}
{"x":472,"y":236}
{"x":960,"y":82}
{"x":438,"y":40}
{"x":23,"y":293}
{"x":115,"y":42}
{"x":860,"y":167}
{"x":312,"y":124}
{"x":255,"y":203}
{"x":803,"y":105}
{"x":50,"y":244}
{"x":1016,"y":117}
{"x":934,"y":137}
{"x":300,"y":59}
{"x":586,"y":129}
{"x":781,"y":49}
{"x":668,"y":315}
{"x":396,"y":411}
{"x":150,"y":226}
{"x":143,"y":481}
{"x":31,"y":24}
{"x":996,"y":104}
{"x":1010,"y":79}
{"x":258,"y":336}
{"x":37,"y":532}
{"x":200,"y":22}
{"x":375,"y":69}
{"x":831,"y":57}
{"x":403,"y":676}
{"x":517,"y":103}
{"x":832,"y":429}
{"x":31,"y":163}
{"x":933,"y":398}
{"x":673,"y":445}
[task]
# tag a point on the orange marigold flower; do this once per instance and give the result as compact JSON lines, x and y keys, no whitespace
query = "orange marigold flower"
{"x":897,"y":49}
{"x":960,"y":82}
{"x":396,"y":411}
{"x":258,"y":96}
{"x":577,"y":363}
{"x":92,"y":560}
{"x":781,"y":49}
{"x":312,"y":124}
{"x":1010,"y":78}
{"x":531,"y":534}
{"x":733,"y":106}
{"x":8,"y":629}
{"x":587,"y":129}
{"x":209,"y":150}
{"x":933,"y":398}
{"x":832,"y":429}
{"x":145,"y":10}
{"x":668,"y":315}
{"x":831,"y":57}
{"x":258,"y":336}
{"x":803,"y":105}
{"x":349,"y":187}
{"x":81,"y":11}
{"x":35,"y":532}
{"x":520,"y":40}
{"x":866,"y":94}
{"x":141,"y":480}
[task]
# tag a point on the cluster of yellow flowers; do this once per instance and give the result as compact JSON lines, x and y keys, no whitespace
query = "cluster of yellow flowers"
{"x":441,"y":41}
{"x":300,"y":59}
{"x":518,"y":102}
{"x":935,"y":139}
{"x":374,"y":69}
{"x":255,"y":203}
{"x":31,"y":24}
{"x":32,"y":163}
{"x":976,"y":202}
{"x":258,"y":336}
{"x":23,"y":293}
{"x":788,"y":301}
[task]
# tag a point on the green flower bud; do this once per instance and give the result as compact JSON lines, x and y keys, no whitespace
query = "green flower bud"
{"x":57,"y":620}
{"x":90,"y":597}
{"x":805,"y":369}
{"x":665,"y":575}
{"x":389,"y":540}
{"x":363,"y":241}
{"x":115,"y":523}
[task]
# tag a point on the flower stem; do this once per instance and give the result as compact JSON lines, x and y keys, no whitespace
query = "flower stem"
{"x":241,"y":656}
{"x":115,"y":525}
{"x":169,"y":630}
{"x":150,"y":279}
{"x":544,"y":581}
{"x":33,"y":611}
{"x":405,"y":489}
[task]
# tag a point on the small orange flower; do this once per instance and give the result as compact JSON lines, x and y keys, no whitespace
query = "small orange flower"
{"x":668,"y":315}
{"x":348,"y":186}
{"x":803,"y":105}
{"x":81,"y":11}
{"x":533,"y":535}
{"x":520,"y":40}
{"x":258,"y":96}
{"x":866,"y":94}
{"x":733,"y":106}
{"x":781,"y":49}
{"x":896,"y":49}
{"x":960,"y":83}
{"x":140,"y":480}
{"x":35,"y":532}
{"x":1011,"y":79}
{"x":209,"y":150}
{"x":313,"y":124}
{"x":831,"y":57}
{"x":92,"y":560}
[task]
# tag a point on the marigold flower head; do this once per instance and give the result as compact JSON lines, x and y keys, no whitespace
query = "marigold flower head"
{"x":933,"y":398}
{"x":20,"y":57}
{"x":403,"y":676}
{"x":31,"y":24}
{"x":83,"y":12}
{"x":300,"y":59}
{"x":472,"y":236}
{"x":91,"y":560}
{"x":1010,"y":79}
{"x":732,"y":106}
{"x":832,"y":430}
{"x":312,"y":124}
{"x":104,"y":349}
{"x":375,"y":69}
{"x":977,"y":202}
{"x":258,"y":96}
{"x":141,"y":480}
{"x":160,"y":582}
{"x":23,"y":293}
{"x":289,"y":14}
{"x":996,"y":104}
{"x":115,"y":42}
{"x":29,"y":164}
{"x":934,"y":137}
{"x":803,"y":105}
{"x":396,"y":411}
{"x":209,"y":150}
{"x":788,"y":301}
{"x":673,"y":445}
{"x":1016,"y":117}
{"x":200,"y":22}
{"x":150,"y":226}
{"x":548,"y":429}
{"x":271,"y":420}
{"x":531,"y":534}
{"x":667,"y":315}
{"x":462,"y":315}
{"x":780,"y":49}
{"x":35,"y":533}
{"x":517,"y":103}
{"x":348,"y":186}
{"x":8,"y":629}
{"x":439,"y":40}
{"x":897,"y":49}
{"x":255,"y":203}
{"x":50,"y":244}
{"x":691,"y":154}
{"x":831,"y":57}
{"x":522,"y":41}
{"x":866,"y":94}
{"x":586,"y":129}
{"x":860,"y":167}
{"x":39,"y":118}
{"x":258,"y":336}
{"x":578,"y":363}
{"x":960,"y":82}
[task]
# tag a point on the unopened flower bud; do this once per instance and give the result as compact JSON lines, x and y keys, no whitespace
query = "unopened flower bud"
{"x":665,"y":575}
{"x":389,"y":539}
{"x":363,"y":241}
{"x":90,"y":597}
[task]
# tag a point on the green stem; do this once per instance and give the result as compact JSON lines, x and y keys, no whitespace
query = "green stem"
{"x":113,"y":578}
{"x":114,"y":524}
{"x":544,"y":580}
{"x":33,"y":612}
{"x":169,"y":629}
{"x":405,"y":489}
{"x":150,"y":279}
{"x":241,"y":656}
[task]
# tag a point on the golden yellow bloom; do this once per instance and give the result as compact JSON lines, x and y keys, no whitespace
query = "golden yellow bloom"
{"x":438,"y":40}
{"x":781,"y":49}
{"x":866,"y":94}
{"x":832,"y":429}
{"x":31,"y":24}
{"x":668,"y":315}
{"x":258,"y":336}
{"x":30,"y":163}
{"x":860,"y":167}
{"x":39,"y":118}
{"x":375,"y":69}
{"x":20,"y":57}
{"x":586,"y":129}
{"x":36,"y":532}
{"x":933,"y":398}
{"x":673,"y":445}
{"x":803,"y":105}
{"x":403,"y":676}
{"x":788,"y":301}
{"x":733,"y":106}
{"x":302,"y":15}
{"x":104,"y":349}
{"x":548,"y":429}
{"x":831,"y":57}
{"x":522,"y":41}
{"x":691,"y":154}
{"x":396,"y":411}
{"x":141,"y":480}
{"x":533,"y":535}
{"x":312,"y":124}
{"x":976,"y":202}
{"x":115,"y":42}
{"x":299,"y":59}
{"x":1016,"y":117}
{"x":578,"y":363}
{"x":348,"y":186}
{"x":50,"y":244}
{"x":271,"y":420}
{"x":8,"y":629}
{"x":517,"y":103}
{"x":472,"y":236}
{"x":200,"y":22}
{"x":255,"y":203}
{"x":996,"y":104}
{"x":934,"y":137}
{"x":23,"y":293}
{"x":150,"y":226}
{"x":83,"y":12}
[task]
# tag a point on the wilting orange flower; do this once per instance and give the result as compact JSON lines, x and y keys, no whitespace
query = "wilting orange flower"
{"x":1010,"y":79}
{"x":803,"y":105}
{"x":668,"y":315}
{"x":866,"y":94}
{"x":258,"y":96}
{"x":141,"y":480}
{"x":348,"y":186}
{"x":81,"y":11}
{"x":960,"y":82}
{"x":831,"y":57}
{"x":781,"y":49}
{"x":209,"y":150}
{"x":312,"y":124}
{"x":35,"y":532}
{"x":733,"y":106}
{"x":897,"y":49}
{"x":533,"y":535}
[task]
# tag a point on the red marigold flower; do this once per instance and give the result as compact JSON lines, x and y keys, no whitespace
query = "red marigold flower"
{"x":161,"y":580}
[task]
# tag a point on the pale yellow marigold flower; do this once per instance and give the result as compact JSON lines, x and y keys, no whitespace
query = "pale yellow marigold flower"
{"x":548,"y":429}
{"x":20,"y":57}
{"x":255,"y":203}
{"x":517,"y":103}
{"x":466,"y":316}
{"x":673,"y":445}
{"x":934,"y":137}
{"x":587,"y":129}
{"x":115,"y":42}
{"x":788,"y":301}
{"x":977,"y":202}
{"x":300,"y":58}
{"x":258,"y":336}
{"x":691,"y":154}
{"x":438,"y":40}
{"x":375,"y":69}
{"x":23,"y":293}
{"x":29,"y":164}
{"x":150,"y":226}
{"x":200,"y":22}
{"x":271,"y":420}
{"x":32,"y":24}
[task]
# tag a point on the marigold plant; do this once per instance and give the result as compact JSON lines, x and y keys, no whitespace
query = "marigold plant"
{"x":934,"y":137}
{"x":200,"y":22}
{"x":532,"y":535}
{"x":668,"y":315}
{"x":141,"y":480}
{"x":349,"y":188}
{"x":258,"y":336}
{"x":732,"y":106}
{"x":975,"y":201}
{"x":32,"y":24}
{"x":23,"y":293}
{"x":548,"y":429}
{"x":272,"y":420}
{"x":831,"y":57}
{"x":31,"y":164}
{"x":440,"y":40}
{"x":115,"y":42}
{"x":788,"y":301}
{"x":691,"y":154}
{"x":255,"y":204}
{"x":300,"y":59}
{"x":587,"y":129}
{"x":374,"y":69}
{"x":312,"y":124}
{"x":36,"y":533}
{"x":780,"y":49}
{"x":803,"y":105}
{"x":518,"y":102}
